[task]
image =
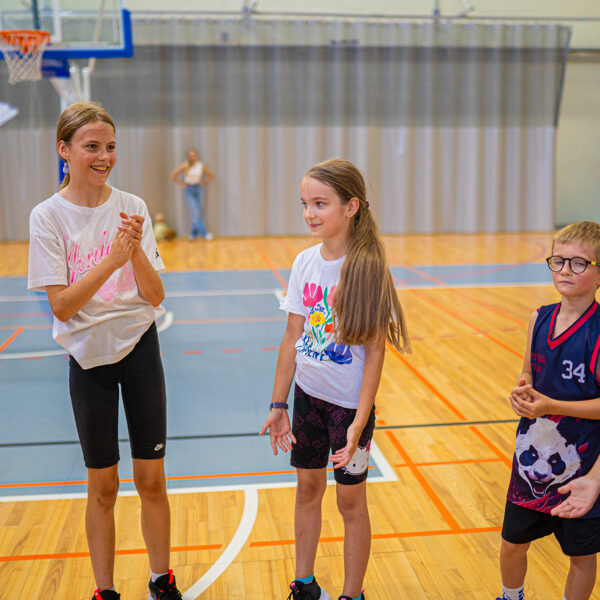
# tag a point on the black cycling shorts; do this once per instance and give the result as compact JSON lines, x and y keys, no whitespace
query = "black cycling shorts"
{"x":95,"y":399}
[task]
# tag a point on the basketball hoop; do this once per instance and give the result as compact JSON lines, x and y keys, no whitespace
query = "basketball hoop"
{"x":23,"y":49}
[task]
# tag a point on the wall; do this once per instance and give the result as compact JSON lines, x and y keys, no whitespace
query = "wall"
{"x":578,"y":150}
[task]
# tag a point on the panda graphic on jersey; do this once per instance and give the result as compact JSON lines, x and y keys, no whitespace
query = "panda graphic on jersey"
{"x":547,"y":456}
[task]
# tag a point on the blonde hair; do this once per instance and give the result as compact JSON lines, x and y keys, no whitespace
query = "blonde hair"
{"x":366,"y":303}
{"x":583,"y":232}
{"x":187,"y":156}
{"x":76,"y":116}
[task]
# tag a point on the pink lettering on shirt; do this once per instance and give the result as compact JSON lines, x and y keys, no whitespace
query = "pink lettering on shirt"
{"x":79,"y":264}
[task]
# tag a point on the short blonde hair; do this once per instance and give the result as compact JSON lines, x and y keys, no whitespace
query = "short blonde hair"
{"x":584,"y":232}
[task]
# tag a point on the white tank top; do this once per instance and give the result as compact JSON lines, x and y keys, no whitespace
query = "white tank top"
{"x":193,"y":175}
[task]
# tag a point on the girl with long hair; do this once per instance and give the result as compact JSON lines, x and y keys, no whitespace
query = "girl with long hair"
{"x":342,"y":307}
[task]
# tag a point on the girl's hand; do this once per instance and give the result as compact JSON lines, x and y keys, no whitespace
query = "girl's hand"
{"x":343,"y":456}
{"x":131,"y":225}
{"x":584,"y":493}
{"x":120,"y":250}
{"x":278,"y":424}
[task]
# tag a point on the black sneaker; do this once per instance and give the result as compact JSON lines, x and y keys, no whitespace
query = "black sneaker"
{"x":362,"y":596}
{"x":164,"y":588}
{"x":106,"y":595}
{"x":307,"y":591}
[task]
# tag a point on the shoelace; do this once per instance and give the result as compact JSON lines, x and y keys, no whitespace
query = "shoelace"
{"x":297,"y":593}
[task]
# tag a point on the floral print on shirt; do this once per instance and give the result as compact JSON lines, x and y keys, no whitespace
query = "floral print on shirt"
{"x":318,"y":340}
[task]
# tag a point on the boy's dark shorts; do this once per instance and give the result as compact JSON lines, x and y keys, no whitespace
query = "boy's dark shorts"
{"x":577,"y":537}
{"x":95,"y":399}
{"x":319,"y":427}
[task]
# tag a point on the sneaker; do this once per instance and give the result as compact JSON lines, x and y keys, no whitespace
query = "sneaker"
{"x":307,"y":591}
{"x":105,"y":595}
{"x":362,"y":596}
{"x":209,"y":236}
{"x":164,"y":588}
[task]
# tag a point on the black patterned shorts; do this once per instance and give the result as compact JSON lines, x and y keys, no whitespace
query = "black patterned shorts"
{"x":319,"y":427}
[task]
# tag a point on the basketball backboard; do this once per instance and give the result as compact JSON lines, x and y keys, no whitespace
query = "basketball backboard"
{"x":78,"y":28}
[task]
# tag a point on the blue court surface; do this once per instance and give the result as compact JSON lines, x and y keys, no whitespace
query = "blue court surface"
{"x":219,"y":341}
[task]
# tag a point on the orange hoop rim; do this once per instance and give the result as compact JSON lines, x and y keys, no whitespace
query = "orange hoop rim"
{"x":25,"y":40}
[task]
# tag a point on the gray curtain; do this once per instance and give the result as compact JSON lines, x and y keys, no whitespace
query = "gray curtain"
{"x":453,"y":125}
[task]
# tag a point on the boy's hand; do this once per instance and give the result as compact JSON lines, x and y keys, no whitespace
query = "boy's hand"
{"x":533,"y":406}
{"x":278,"y":424}
{"x":343,"y":456}
{"x":584,"y":493}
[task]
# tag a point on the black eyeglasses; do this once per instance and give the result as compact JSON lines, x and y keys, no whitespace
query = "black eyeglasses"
{"x":576,"y":264}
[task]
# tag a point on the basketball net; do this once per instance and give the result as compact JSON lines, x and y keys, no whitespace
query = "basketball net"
{"x":22,"y":50}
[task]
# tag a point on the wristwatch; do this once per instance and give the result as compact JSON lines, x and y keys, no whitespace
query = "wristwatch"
{"x":279,"y":405}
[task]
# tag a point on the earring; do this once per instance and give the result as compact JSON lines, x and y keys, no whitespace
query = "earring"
{"x":66,"y":168}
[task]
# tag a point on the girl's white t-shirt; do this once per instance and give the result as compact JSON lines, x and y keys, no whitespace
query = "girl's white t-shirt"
{"x":324,"y":369}
{"x":66,"y":241}
{"x":193,"y":175}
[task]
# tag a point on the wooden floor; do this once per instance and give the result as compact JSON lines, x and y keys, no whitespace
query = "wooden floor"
{"x":435,"y":530}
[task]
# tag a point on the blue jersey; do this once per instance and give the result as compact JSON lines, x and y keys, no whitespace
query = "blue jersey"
{"x":551,"y":450}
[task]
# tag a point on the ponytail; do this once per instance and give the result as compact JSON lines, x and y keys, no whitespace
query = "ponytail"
{"x":366,"y":302}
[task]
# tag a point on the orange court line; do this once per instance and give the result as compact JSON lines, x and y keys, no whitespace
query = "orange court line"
{"x":287,"y":249}
{"x":491,"y":446}
{"x":478,"y":433}
{"x":424,"y":483}
{"x":117,"y":552}
{"x":453,"y":462}
{"x":171,"y":478}
{"x":269,"y":264}
{"x":385,"y":536}
{"x":426,"y":382}
{"x":12,"y":338}
{"x":464,"y":321}
{"x":463,"y":294}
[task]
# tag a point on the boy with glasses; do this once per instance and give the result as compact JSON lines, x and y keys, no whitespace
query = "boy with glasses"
{"x":557,"y":397}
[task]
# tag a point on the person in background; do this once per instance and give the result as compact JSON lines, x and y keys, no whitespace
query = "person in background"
{"x":192,"y":176}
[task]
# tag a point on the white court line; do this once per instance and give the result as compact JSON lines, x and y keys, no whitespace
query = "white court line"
{"x":165,"y":324}
{"x":233,"y":549}
{"x":450,"y":286}
{"x":279,"y":294}
{"x":387,"y":474}
{"x":193,"y":294}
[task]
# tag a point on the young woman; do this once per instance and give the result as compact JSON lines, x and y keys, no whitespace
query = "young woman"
{"x":195,"y":176}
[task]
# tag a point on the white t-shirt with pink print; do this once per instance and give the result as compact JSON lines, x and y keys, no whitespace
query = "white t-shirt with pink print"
{"x":66,"y":242}
{"x":324,"y":369}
